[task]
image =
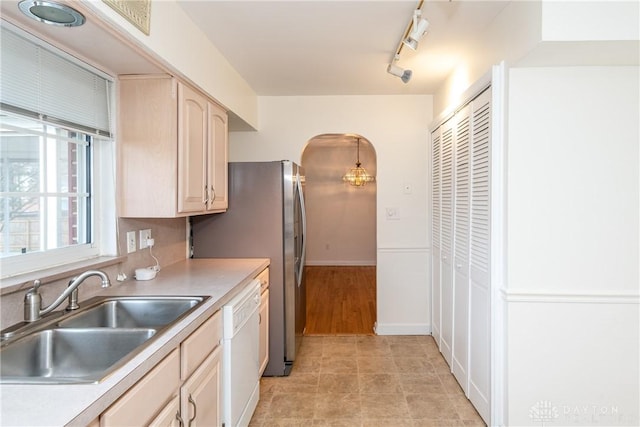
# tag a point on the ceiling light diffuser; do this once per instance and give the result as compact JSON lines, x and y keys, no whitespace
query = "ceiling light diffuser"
{"x":51,"y":13}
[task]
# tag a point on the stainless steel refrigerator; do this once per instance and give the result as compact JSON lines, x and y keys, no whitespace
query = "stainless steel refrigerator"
{"x":265,"y":219}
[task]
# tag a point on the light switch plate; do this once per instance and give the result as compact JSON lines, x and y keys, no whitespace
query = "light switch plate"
{"x":392,"y":214}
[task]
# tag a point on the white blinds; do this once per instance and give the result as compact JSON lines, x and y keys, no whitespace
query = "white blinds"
{"x":37,"y":81}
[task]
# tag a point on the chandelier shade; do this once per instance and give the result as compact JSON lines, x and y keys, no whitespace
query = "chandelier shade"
{"x":358,"y":176}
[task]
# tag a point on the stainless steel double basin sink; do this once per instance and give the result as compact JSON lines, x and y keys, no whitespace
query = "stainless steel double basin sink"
{"x":86,"y":345}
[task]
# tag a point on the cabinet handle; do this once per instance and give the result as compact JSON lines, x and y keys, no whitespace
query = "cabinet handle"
{"x":206,"y":195}
{"x":195,"y":410}
{"x":259,"y":319}
{"x":179,"y":418}
{"x":213,"y":194}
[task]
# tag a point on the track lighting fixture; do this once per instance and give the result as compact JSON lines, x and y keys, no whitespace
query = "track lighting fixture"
{"x":415,"y":30}
{"x":405,"y":75}
{"x":418,"y":29}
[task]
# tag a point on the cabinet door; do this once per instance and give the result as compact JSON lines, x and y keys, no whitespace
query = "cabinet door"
{"x":170,"y":415}
{"x":192,"y":150}
{"x":217,"y":161}
{"x":200,"y":395}
{"x":264,"y":331}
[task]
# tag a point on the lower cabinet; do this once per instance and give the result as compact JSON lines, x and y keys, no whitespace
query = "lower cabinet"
{"x":182,"y":390}
{"x":200,"y":394}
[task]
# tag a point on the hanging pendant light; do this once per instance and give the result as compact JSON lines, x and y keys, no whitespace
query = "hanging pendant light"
{"x":358,"y":176}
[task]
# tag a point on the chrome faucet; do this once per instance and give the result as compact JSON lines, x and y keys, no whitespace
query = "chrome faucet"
{"x":33,"y":299}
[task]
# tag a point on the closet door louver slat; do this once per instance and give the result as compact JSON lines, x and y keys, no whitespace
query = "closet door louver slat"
{"x":435,"y":188}
{"x":479,"y":256}
{"x":447,"y":191}
{"x":462,"y":193}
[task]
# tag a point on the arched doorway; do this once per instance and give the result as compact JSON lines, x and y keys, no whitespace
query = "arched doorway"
{"x":341,"y":236}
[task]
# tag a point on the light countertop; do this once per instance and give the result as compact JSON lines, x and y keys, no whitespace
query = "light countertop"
{"x":80,"y":404}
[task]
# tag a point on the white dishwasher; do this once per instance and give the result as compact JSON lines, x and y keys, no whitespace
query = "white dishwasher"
{"x":240,"y":361}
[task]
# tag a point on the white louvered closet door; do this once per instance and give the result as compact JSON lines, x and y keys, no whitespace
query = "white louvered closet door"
{"x":435,"y":235}
{"x":461,"y":216}
{"x":461,"y":213}
{"x":480,"y":257}
{"x":446,"y":240}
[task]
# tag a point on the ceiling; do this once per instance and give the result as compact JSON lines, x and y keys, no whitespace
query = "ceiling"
{"x":333,"y":47}
{"x":305,"y":47}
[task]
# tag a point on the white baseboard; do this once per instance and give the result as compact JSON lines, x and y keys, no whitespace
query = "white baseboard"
{"x":402,"y":328}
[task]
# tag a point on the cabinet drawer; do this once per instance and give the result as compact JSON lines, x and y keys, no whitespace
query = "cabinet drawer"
{"x":143,"y":401}
{"x":199,"y":344}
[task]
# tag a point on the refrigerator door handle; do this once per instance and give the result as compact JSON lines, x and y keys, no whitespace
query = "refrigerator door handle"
{"x":304,"y":229}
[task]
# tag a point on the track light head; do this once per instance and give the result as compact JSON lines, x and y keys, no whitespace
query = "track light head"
{"x":405,"y":75}
{"x":418,"y":30}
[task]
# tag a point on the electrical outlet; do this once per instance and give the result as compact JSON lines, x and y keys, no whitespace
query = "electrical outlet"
{"x":131,"y":241}
{"x":144,"y":235}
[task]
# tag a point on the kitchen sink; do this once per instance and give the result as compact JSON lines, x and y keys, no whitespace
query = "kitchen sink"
{"x":86,"y":345}
{"x":68,"y":355}
{"x":131,"y":313}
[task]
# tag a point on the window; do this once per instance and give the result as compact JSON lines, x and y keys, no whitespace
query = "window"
{"x":44,"y":178}
{"x":54,"y":133}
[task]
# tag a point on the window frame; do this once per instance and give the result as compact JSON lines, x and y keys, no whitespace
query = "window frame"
{"x":101,"y":205}
{"x":101,"y":167}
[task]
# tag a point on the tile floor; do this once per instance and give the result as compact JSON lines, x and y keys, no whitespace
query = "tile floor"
{"x":365,"y":381}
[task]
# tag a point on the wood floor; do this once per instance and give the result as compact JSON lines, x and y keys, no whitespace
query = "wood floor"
{"x":341,"y":300}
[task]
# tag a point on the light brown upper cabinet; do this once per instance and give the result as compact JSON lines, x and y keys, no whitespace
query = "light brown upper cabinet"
{"x":172,"y":149}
